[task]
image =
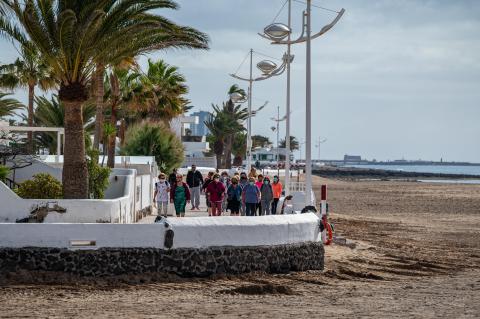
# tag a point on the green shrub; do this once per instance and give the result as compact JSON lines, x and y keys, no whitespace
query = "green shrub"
{"x":3,"y":172}
{"x":97,"y":175}
{"x":42,"y":186}
{"x":154,"y":139}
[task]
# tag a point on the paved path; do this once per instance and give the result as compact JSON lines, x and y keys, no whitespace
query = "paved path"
{"x":171,"y":212}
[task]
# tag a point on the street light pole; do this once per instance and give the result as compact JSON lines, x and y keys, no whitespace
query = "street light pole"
{"x":278,"y":145}
{"x":287,"y":123}
{"x":308,"y":111}
{"x":249,"y":122}
{"x":268,"y":69}
{"x":277,"y":32}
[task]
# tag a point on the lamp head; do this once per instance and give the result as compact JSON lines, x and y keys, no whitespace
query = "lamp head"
{"x":266,"y":66}
{"x":277,"y":31}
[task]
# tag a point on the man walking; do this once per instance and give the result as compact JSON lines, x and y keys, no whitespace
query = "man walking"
{"x":195,"y":181}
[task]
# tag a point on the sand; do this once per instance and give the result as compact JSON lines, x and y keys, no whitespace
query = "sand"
{"x":413,"y":251}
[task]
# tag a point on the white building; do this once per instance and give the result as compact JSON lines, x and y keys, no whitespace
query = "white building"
{"x":268,"y":155}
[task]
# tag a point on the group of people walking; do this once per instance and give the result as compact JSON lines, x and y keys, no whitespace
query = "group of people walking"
{"x":239,"y":194}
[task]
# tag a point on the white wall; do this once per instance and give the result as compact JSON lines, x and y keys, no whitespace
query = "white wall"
{"x":244,"y":230}
{"x":190,"y":232}
{"x":60,"y":235}
{"x":37,"y":166}
{"x":118,"y":210}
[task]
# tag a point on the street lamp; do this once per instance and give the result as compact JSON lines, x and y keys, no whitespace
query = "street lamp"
{"x":277,"y":32}
{"x":269,"y":69}
{"x":277,"y":128}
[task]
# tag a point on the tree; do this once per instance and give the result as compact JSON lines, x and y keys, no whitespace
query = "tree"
{"x":236,"y":114}
{"x":260,"y":141}
{"x":153,"y":31}
{"x":8,"y":106}
{"x":221,"y":125}
{"x":51,"y":113}
{"x":239,"y":148}
{"x":294,"y":145}
{"x":71,"y":36}
{"x":154,"y":139}
{"x":164,"y":93}
{"x":122,"y":89}
{"x":28,"y":71}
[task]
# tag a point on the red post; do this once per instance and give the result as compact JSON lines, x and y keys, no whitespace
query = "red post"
{"x":324,"y":192}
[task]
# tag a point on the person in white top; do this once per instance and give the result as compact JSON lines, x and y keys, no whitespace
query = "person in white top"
{"x":161,"y":195}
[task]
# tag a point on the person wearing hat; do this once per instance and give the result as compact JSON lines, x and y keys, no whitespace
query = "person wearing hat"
{"x":162,"y":189}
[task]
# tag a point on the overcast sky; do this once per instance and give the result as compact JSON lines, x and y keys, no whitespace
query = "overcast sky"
{"x":393,"y":79}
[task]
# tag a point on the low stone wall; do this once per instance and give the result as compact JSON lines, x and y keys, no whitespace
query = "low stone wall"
{"x":187,"y":262}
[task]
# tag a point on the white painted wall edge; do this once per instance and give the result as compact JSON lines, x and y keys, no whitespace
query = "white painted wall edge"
{"x":194,"y":232}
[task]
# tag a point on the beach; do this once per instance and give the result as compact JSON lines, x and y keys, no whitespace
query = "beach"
{"x":411,"y":250}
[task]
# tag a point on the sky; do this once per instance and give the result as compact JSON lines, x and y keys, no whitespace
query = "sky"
{"x":393,"y":79}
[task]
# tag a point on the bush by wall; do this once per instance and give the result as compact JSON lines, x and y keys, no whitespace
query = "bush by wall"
{"x":42,"y":186}
{"x":154,"y":139}
{"x":97,"y":175}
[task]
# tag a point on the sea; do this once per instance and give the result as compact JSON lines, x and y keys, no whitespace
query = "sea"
{"x":437,"y":169}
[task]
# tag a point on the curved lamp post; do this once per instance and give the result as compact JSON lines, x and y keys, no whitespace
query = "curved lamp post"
{"x":276,"y":33}
{"x":268,"y":69}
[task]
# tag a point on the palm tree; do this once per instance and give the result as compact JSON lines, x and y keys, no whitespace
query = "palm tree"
{"x":236,"y":114}
{"x":27,"y":72}
{"x":51,"y":113}
{"x":239,"y":148}
{"x":222,"y":124}
{"x":164,"y":91}
{"x":260,"y":141}
{"x":72,"y":36}
{"x":294,"y":145}
{"x":8,"y":106}
{"x":156,"y":33}
{"x":123,"y":90}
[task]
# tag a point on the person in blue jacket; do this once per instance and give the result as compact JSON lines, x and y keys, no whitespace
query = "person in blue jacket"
{"x":250,"y":197}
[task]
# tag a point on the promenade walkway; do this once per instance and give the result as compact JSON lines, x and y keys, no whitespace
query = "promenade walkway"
{"x":171,"y":212}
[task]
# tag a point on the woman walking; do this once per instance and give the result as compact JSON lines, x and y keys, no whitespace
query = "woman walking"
{"x":216,"y":193}
{"x":277,"y":188}
{"x":234,"y":197}
{"x":162,"y":189}
{"x":205,"y":184}
{"x":250,"y":197}
{"x":266,"y":194}
{"x":179,"y":195}
{"x":259,"y":184}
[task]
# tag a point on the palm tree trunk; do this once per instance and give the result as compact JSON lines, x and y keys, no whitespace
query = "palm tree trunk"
{"x":112,"y":138}
{"x":228,"y":151}
{"x":75,"y":173}
{"x":31,"y":94}
{"x":121,"y":133}
{"x":99,"y":92}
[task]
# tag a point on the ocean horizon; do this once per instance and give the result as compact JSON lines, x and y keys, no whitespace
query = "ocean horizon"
{"x":473,"y":170}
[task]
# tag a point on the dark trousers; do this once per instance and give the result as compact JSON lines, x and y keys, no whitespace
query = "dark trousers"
{"x":274,"y":205}
{"x":250,"y":209}
{"x":259,"y":207}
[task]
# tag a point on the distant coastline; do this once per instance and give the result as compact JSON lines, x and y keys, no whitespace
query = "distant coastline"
{"x":371,"y":173}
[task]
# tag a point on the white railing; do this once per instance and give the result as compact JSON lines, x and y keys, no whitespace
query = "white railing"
{"x":297,"y":187}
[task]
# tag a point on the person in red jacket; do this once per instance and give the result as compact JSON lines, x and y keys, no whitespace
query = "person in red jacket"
{"x":179,"y":195}
{"x":215,"y":193}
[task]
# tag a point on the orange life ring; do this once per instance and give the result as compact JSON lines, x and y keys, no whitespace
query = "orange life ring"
{"x":329,"y":232}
